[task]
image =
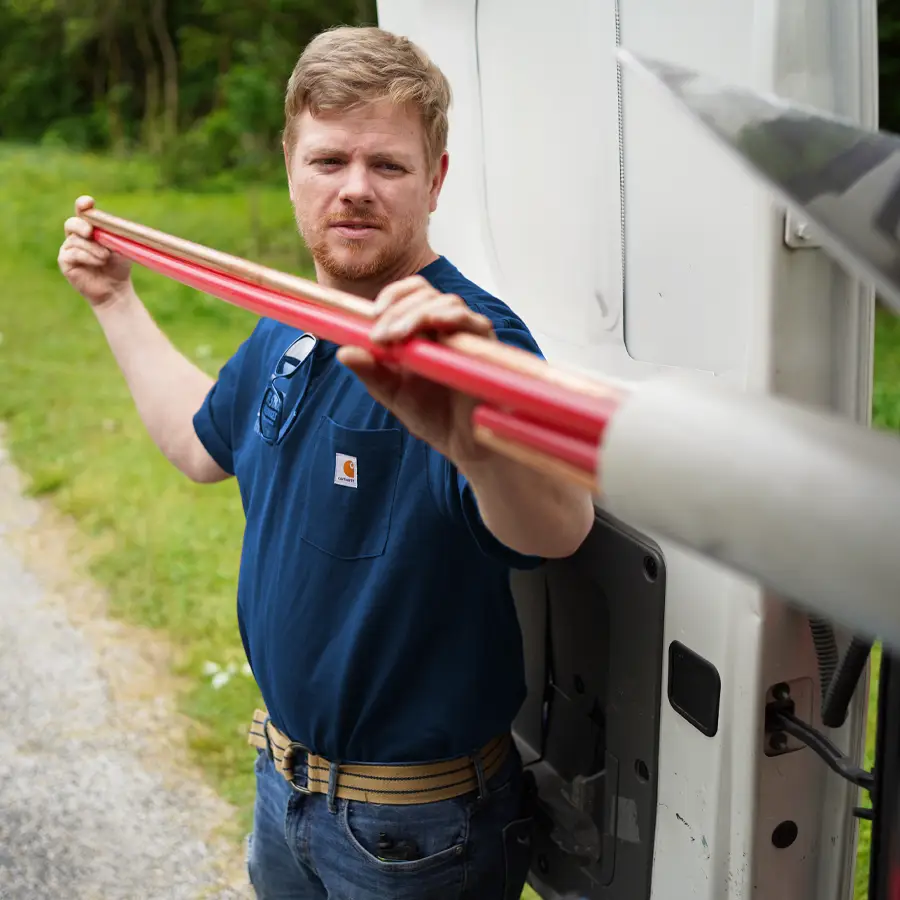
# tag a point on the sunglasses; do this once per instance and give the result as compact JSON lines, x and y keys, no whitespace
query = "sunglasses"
{"x":271,"y":424}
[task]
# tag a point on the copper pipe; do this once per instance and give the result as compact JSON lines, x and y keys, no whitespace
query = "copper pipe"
{"x":471,"y":344}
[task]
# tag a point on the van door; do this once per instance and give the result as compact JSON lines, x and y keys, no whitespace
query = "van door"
{"x":632,"y":246}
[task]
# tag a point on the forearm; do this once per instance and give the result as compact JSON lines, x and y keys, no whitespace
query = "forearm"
{"x":531,"y":513}
{"x":166,"y":387}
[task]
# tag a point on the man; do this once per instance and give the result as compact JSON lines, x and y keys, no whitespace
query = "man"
{"x":373,"y":597}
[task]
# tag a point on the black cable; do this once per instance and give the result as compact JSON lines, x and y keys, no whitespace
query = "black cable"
{"x":826,"y":653}
{"x":843,"y":685}
{"x":827,"y":751}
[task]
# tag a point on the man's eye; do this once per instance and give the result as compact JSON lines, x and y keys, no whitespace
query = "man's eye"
{"x":392,"y":167}
{"x":328,"y":161}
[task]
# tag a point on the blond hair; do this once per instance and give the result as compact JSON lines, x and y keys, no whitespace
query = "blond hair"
{"x":347,"y":67}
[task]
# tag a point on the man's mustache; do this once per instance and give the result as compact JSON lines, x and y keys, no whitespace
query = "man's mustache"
{"x":357,"y":215}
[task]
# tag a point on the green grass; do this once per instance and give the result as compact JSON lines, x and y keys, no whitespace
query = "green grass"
{"x":865,"y":829}
{"x":886,"y":390}
{"x":167,"y":550}
{"x":885,"y":414}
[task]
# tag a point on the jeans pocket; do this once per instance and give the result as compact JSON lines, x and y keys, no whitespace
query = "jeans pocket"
{"x":517,"y":855}
{"x":433,"y":836}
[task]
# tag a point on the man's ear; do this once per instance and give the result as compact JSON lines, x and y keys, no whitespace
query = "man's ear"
{"x":437,"y":180}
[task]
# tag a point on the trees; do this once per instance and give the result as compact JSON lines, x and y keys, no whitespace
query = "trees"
{"x":196,"y":83}
{"x":194,"y":78}
{"x":889,"y":64}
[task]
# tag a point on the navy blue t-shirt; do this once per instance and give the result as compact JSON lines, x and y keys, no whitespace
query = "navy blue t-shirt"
{"x":373,"y":603}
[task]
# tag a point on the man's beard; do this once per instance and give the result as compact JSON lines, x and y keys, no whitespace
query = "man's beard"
{"x":360,"y":264}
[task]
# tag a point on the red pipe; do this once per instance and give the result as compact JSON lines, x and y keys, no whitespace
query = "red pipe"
{"x":542,"y":401}
{"x":566,"y":447}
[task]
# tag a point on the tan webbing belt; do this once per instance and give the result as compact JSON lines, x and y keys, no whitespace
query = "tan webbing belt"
{"x":393,"y":784}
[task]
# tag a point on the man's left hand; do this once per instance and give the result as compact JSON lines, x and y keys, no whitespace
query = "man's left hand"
{"x":436,"y":414}
{"x":535,"y":514}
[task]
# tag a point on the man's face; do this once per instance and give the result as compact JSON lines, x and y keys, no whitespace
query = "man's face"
{"x":363,"y":190}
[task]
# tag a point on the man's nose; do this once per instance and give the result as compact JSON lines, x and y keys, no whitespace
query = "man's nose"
{"x":357,"y":185}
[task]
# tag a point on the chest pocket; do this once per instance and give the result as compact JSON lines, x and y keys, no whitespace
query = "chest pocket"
{"x":351,"y":480}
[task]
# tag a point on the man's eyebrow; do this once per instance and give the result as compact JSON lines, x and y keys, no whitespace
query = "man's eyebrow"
{"x":326,"y":152}
{"x":385,"y":156}
{"x":378,"y":156}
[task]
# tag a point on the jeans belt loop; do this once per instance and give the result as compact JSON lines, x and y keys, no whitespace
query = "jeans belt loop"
{"x":479,"y":775}
{"x":333,"y":775}
{"x":269,"y":751}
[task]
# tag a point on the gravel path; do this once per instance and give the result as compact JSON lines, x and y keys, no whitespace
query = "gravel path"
{"x":97,"y":798}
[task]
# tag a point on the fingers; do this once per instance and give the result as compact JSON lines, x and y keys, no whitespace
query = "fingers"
{"x":75,"y":224}
{"x":430,"y":314}
{"x":413,"y":306}
{"x":398,"y":290}
{"x":75,"y":240}
{"x":76,"y":257}
{"x":79,"y":248}
{"x":79,"y":227}
{"x":76,"y":248}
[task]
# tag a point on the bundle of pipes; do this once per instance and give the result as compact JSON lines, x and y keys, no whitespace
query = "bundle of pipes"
{"x":543,"y":417}
{"x":806,"y":503}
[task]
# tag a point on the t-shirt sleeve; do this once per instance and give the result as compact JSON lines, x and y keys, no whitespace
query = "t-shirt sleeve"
{"x":213,"y":422}
{"x":453,"y":492}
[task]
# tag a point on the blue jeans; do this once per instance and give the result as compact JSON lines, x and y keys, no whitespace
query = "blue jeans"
{"x":479,"y":849}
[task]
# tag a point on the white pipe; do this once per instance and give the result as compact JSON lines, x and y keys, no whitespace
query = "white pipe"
{"x":806,"y":503}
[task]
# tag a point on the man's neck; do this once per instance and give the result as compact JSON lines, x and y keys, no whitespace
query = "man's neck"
{"x":370,"y":288}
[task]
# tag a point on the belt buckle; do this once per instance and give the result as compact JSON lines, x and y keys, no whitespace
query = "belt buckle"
{"x":288,"y":760}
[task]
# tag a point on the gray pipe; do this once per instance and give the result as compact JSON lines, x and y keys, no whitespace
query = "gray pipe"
{"x":805,"y":503}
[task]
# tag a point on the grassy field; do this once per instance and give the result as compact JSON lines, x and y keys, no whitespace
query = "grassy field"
{"x":885,"y":414}
{"x":166,"y":549}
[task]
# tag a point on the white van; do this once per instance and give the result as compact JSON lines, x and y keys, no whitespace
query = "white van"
{"x":675,"y":707}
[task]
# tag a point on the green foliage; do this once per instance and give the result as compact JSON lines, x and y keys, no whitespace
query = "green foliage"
{"x":198,"y":84}
{"x":886,"y":392}
{"x":889,"y":64}
{"x":166,"y":549}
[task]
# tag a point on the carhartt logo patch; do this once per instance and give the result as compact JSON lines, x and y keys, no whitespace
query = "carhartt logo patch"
{"x":345,"y":470}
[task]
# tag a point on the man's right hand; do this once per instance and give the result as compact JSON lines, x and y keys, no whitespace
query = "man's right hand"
{"x":97,"y":273}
